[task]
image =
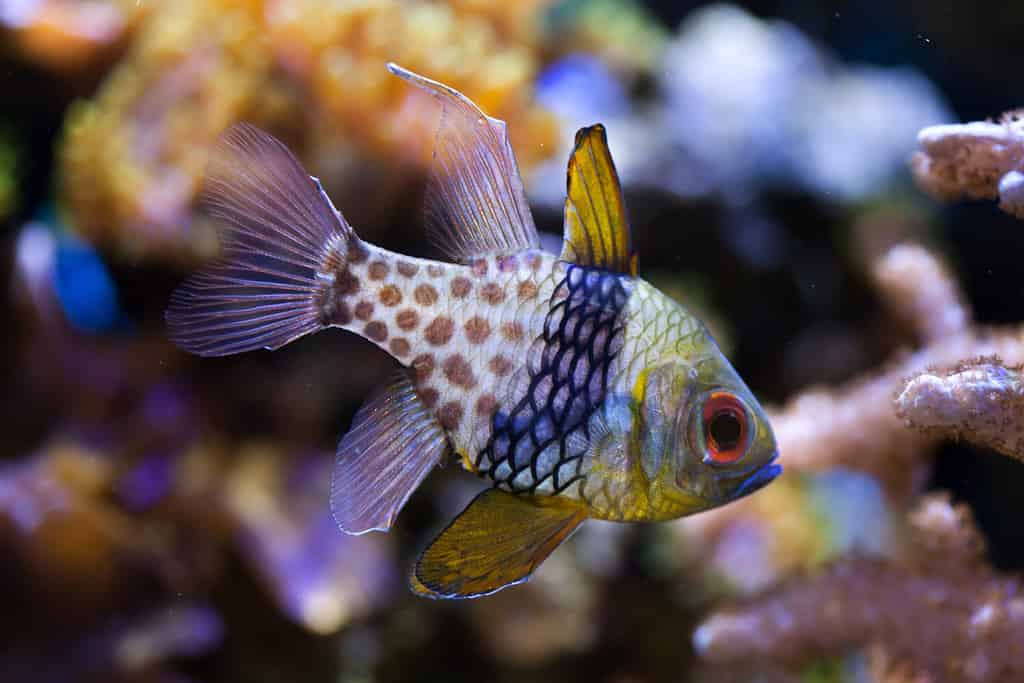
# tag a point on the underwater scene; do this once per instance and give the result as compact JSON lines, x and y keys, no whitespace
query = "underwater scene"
{"x":677,"y":341}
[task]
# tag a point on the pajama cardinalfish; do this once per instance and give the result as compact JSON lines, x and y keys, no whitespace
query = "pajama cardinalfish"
{"x":573,"y":386}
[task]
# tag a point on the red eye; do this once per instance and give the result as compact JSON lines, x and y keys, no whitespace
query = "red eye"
{"x":725,"y":428}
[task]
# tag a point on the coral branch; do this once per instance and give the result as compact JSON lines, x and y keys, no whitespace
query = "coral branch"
{"x":981,"y":401}
{"x":855,"y":426}
{"x":942,"y":611}
{"x":978,"y":160}
{"x":921,"y":291}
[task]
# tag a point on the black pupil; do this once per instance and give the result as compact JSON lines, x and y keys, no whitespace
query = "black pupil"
{"x":725,"y":429}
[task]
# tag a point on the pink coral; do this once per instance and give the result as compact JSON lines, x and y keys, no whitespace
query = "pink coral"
{"x":943,"y":611}
{"x":981,"y":401}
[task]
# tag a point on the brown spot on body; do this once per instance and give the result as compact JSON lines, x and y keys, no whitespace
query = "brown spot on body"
{"x":429,"y":396}
{"x":492,"y":293}
{"x":423,"y":367}
{"x":407,"y":269}
{"x":378,"y":270}
{"x":330,"y":298}
{"x":486,"y":405}
{"x":377,"y":331}
{"x":477,"y":329}
{"x":346,"y":284}
{"x":450,"y":415}
{"x":526,"y":290}
{"x":500,"y":365}
{"x":459,"y":372}
{"x":439,"y":331}
{"x":434,"y":270}
{"x":507,"y":264}
{"x":390,"y":295}
{"x":364,"y":310}
{"x":425,"y":295}
{"x":513,"y":331}
{"x":407,"y":319}
{"x":357,"y":252}
{"x":399,"y":346}
{"x":479,"y":267}
{"x":461,"y":286}
{"x":533,"y":260}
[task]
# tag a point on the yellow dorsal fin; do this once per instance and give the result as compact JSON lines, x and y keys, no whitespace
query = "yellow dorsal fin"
{"x":497,"y":541}
{"x":596,"y":230}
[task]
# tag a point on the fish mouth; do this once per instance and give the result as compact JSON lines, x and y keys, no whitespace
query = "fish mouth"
{"x":759,"y":479}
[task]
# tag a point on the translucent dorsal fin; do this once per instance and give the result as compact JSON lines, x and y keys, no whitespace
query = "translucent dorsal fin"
{"x":596,"y":230}
{"x":394,"y":443}
{"x":497,"y":541}
{"x":475,"y":201}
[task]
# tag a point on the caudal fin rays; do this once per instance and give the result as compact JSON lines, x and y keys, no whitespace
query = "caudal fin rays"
{"x":275,"y":225}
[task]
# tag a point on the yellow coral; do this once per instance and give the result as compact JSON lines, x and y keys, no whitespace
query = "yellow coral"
{"x":132,"y":158}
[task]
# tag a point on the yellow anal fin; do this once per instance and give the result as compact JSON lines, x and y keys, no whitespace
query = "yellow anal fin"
{"x":596,"y":230}
{"x":497,"y":541}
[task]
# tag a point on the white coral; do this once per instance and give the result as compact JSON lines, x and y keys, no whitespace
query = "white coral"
{"x":980,"y":401}
{"x":978,"y":160}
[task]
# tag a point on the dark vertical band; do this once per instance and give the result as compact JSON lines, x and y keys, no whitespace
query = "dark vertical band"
{"x":583,"y":333}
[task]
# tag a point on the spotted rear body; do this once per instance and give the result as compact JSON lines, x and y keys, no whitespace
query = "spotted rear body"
{"x":571,"y":385}
{"x":463,"y":331}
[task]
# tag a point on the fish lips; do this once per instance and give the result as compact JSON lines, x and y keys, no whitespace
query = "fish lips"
{"x":760,"y":478}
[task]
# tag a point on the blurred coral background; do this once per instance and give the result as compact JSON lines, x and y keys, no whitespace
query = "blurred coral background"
{"x":165,"y":518}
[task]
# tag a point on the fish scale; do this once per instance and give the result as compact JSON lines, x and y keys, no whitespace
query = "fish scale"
{"x":575,"y":387}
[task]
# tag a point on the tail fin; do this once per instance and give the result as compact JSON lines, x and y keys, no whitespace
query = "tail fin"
{"x":278,"y":230}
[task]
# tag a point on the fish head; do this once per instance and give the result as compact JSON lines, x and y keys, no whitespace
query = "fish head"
{"x":703,"y":439}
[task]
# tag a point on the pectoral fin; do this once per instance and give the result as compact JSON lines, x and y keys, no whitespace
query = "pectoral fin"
{"x":596,"y":230}
{"x":394,"y":443}
{"x":497,"y":541}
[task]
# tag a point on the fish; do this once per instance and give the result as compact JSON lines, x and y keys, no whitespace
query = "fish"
{"x":570,"y":384}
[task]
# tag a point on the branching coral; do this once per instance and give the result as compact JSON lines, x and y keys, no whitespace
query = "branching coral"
{"x":855,"y":426}
{"x":851,"y":427}
{"x":930,"y":609}
{"x":942,"y":610}
{"x":978,"y":160}
{"x":921,"y":292}
{"x":981,"y":401}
